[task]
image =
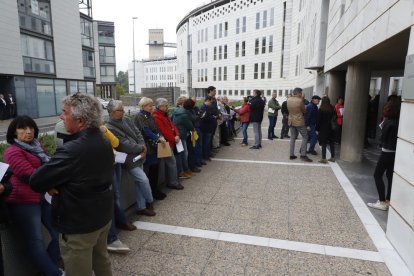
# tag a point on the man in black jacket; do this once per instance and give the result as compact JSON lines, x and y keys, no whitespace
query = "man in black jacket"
{"x":79,"y":176}
{"x":257,"y":106}
{"x":5,"y":189}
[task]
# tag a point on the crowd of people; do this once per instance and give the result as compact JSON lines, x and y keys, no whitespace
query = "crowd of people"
{"x":7,"y":106}
{"x":75,"y":193}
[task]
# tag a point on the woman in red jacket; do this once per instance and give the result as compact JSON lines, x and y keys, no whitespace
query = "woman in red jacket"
{"x":339,"y":112}
{"x":27,"y":208}
{"x":244,"y":114}
{"x":170,"y":133}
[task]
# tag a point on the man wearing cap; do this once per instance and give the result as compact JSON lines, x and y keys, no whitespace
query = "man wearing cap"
{"x":310,"y":122}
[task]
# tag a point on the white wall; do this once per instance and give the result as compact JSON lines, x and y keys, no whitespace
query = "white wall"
{"x":11,"y":61}
{"x":67,"y":39}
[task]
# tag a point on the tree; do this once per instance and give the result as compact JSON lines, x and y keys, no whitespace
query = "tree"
{"x":122,"y":80}
{"x":119,"y":89}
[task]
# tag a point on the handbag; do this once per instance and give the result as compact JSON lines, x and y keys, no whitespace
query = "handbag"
{"x":163,"y":150}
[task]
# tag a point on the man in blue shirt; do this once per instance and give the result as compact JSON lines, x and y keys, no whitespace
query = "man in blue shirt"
{"x":310,"y":122}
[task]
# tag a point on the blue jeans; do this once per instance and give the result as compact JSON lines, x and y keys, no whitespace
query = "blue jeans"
{"x":272,"y":124}
{"x":244,"y":130}
{"x":182,"y":158}
{"x":313,"y":138}
{"x":119,"y":215}
{"x":206,"y":140}
{"x":143,"y":192}
{"x":257,"y":130}
{"x":28,"y":219}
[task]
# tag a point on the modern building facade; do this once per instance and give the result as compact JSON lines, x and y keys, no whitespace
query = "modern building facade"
{"x":105,"y":59}
{"x":46,"y":53}
{"x":348,"y":49}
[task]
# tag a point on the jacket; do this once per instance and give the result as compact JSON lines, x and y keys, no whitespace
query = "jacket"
{"x":389,"y":134}
{"x":311,"y":114}
{"x":296,"y":108}
{"x":3,"y":206}
{"x":324,"y":127}
{"x":274,"y":104}
{"x":257,"y":106}
{"x":208,"y":122}
{"x":23,"y":164}
{"x":182,"y":120}
{"x":339,"y":116}
{"x":166,"y":126}
{"x":284,"y":109}
{"x":82,"y":171}
{"x":130,"y":138}
{"x":244,"y":113}
{"x":151,"y":134}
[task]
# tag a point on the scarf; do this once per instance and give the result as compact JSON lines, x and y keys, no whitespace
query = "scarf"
{"x":34,"y":148}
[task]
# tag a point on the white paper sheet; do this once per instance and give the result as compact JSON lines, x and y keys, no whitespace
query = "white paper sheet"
{"x":3,"y":169}
{"x":341,"y":110}
{"x":120,"y":157}
{"x":271,"y":110}
{"x":48,"y":198}
{"x":180,"y":147}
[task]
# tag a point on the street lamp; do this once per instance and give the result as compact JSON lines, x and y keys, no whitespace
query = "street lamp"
{"x":133,"y":49}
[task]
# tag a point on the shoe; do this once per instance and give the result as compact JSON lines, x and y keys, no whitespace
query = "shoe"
{"x":254,"y":147}
{"x":331,"y":159}
{"x":287,"y":136}
{"x":203,"y":163}
{"x":176,"y":187}
{"x":388,"y":203}
{"x":196,"y":170}
{"x":270,"y":138}
{"x":293,"y":157}
{"x":146,"y":212}
{"x":159,"y":196}
{"x":260,"y":146}
{"x":117,"y":247}
{"x":189,"y":173}
{"x":149,"y":206}
{"x":312,"y":152}
{"x":128,"y":227}
{"x":324,"y":161}
{"x":274,"y":136}
{"x":306,"y":159}
{"x":380,"y":205}
{"x":183,"y":175}
{"x":225,"y":144}
{"x":244,"y":145}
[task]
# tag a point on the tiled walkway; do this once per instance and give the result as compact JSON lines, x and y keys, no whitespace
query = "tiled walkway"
{"x":255,"y":212}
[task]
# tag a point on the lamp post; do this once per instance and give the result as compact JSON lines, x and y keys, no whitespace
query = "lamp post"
{"x":133,"y":49}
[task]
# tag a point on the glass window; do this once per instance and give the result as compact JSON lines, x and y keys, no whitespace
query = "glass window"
{"x":225,"y":73}
{"x":60,"y":93}
{"x":34,"y":15}
{"x":105,"y":35}
{"x":206,"y":57}
{"x":236,"y":72}
{"x":270,"y":43}
{"x":45,"y":97}
{"x":269,"y":70}
{"x":242,"y":72}
{"x":206,"y":35}
{"x":263,"y":71}
{"x":220,"y":52}
{"x":219,"y":73}
{"x":256,"y":69}
{"x":226,"y":28}
{"x":82,"y":86}
{"x":244,"y":24}
{"x":272,"y":16}
{"x":215,"y":31}
{"x":264,"y":19}
{"x":106,"y":54}
{"x":86,"y":32}
{"x":237,"y":49}
{"x":220,"y":30}
{"x":214,"y":73}
{"x":205,"y":74}
{"x":37,"y":55}
{"x":237,"y":25}
{"x":225,"y":52}
{"x":215,"y":53}
{"x":263,"y":45}
{"x":73,"y":86}
{"x":88,"y":64}
{"x":257,"y":20}
{"x":243,"y":48}
{"x":280,"y":92}
{"x":230,"y":92}
{"x":256,"y":46}
{"x":241,"y":92}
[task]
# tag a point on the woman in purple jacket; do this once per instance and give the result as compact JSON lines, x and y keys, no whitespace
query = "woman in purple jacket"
{"x":27,"y":208}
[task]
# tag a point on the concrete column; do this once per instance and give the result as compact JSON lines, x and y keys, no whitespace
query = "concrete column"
{"x":356,"y":103}
{"x":336,"y":85}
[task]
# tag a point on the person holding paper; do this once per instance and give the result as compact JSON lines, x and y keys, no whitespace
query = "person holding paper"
{"x":272,"y":112}
{"x":244,"y":114}
{"x":170,"y":133}
{"x":146,"y":124}
{"x":182,"y":119}
{"x":28,"y":208}
{"x":132,"y":143}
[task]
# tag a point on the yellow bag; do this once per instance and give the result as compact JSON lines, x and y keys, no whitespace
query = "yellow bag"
{"x":194,"y":137}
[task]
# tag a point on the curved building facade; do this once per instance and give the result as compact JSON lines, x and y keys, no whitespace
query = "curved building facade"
{"x":241,"y":45}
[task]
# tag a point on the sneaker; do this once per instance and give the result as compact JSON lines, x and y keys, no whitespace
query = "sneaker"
{"x":313,"y":152}
{"x":380,"y":205}
{"x":146,"y":212}
{"x":306,"y":159}
{"x":254,"y":147}
{"x":196,"y":170}
{"x":270,"y":138}
{"x":331,"y":159}
{"x":189,"y":173}
{"x":274,"y":136}
{"x":244,"y":145}
{"x":293,"y":157}
{"x":176,"y":187}
{"x":324,"y":161}
{"x":183,"y":176}
{"x":117,"y":247}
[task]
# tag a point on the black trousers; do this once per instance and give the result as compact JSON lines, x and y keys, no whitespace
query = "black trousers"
{"x":285,"y":128}
{"x":152,"y":173}
{"x":331,"y":148}
{"x":385,"y":164}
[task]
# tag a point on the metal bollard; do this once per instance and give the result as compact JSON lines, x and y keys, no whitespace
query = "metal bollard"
{"x":129,"y":112}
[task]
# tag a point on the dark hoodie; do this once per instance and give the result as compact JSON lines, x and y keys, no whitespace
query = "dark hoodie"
{"x":182,"y":120}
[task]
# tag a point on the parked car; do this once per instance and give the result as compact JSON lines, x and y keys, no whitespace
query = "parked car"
{"x":103,"y":102}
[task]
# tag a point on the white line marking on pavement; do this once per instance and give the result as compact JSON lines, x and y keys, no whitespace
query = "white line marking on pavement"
{"x":270,"y":162}
{"x":261,"y":241}
{"x":276,"y":139}
{"x":393,"y":261}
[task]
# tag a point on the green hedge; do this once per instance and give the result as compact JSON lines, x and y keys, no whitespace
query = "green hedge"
{"x":47,"y":140}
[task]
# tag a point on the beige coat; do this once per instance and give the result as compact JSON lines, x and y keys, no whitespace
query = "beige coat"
{"x":296,"y":108}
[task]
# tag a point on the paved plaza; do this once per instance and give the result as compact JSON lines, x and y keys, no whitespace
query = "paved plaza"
{"x":255,"y":212}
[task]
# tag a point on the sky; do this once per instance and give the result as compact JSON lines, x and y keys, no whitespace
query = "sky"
{"x":152,"y":14}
